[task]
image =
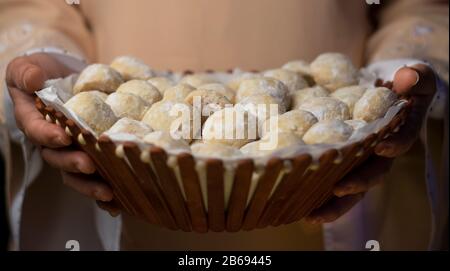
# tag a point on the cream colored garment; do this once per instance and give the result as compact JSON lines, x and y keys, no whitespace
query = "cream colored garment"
{"x":202,"y":34}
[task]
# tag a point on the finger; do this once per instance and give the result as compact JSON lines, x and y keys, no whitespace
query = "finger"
{"x":68,"y":160}
{"x":32,"y":123}
{"x":111,"y":207}
{"x":415,"y":80}
{"x":89,"y":185}
{"x":334,"y":209}
{"x":28,"y":73}
{"x":363,"y":178}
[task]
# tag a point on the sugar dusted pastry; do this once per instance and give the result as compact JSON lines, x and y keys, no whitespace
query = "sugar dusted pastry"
{"x":261,"y":107}
{"x":142,"y":89}
{"x":161,"y":83}
{"x":178,"y":93}
{"x":300,"y":66}
{"x":98,"y":77}
{"x":229,"y":126}
{"x":349,"y":95}
{"x":166,"y":115}
{"x":333,"y":71}
{"x":100,"y":94}
{"x":222,"y":89}
{"x":272,"y":142}
{"x":127,"y":105}
{"x":166,"y":141}
{"x":374,"y":104}
{"x":209,"y":101}
{"x":198,"y":79}
{"x":215,"y":150}
{"x":264,"y":85}
{"x":92,"y":110}
{"x":302,"y":95}
{"x":326,"y":108}
{"x":132,"y":68}
{"x":356,"y":124}
{"x":328,"y":132}
{"x":236,"y":82}
{"x":130,"y":126}
{"x":295,"y":121}
{"x":293,"y":80}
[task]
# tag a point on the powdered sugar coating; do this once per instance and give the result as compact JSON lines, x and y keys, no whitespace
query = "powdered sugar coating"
{"x":333,"y":71}
{"x":130,"y":126}
{"x":328,"y":132}
{"x":127,"y":105}
{"x":132,"y":68}
{"x":98,"y":77}
{"x":295,"y":121}
{"x":142,"y":89}
{"x":356,"y":124}
{"x":300,"y":66}
{"x":281,"y":140}
{"x":178,"y":93}
{"x":161,"y":83}
{"x":349,"y":95}
{"x":198,"y":79}
{"x":302,"y":95}
{"x":92,"y":110}
{"x":326,"y":108}
{"x":220,"y":88}
{"x":293,"y":80}
{"x":265,"y":85}
{"x":374,"y":104}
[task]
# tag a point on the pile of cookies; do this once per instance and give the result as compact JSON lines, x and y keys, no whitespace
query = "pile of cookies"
{"x":316,"y":103}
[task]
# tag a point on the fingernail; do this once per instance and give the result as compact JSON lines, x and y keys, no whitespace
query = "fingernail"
{"x":99,"y":195}
{"x":63,"y":140}
{"x":417,"y":78}
{"x":343,"y":191}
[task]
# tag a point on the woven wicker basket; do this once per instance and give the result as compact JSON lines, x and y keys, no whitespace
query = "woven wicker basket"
{"x":153,"y":193}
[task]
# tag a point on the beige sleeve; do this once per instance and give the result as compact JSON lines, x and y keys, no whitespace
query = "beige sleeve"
{"x":27,"y":24}
{"x":412,"y":29}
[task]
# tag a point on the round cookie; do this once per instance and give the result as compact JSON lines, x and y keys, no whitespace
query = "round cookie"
{"x":210,"y":101}
{"x":215,"y":150}
{"x":127,"y":105}
{"x":261,"y":107}
{"x":142,"y":89}
{"x":132,"y":68}
{"x":264,"y":85}
{"x":159,"y":117}
{"x":222,"y":89}
{"x":228,"y":126}
{"x":374,"y":104}
{"x":92,"y":110}
{"x":198,"y":79}
{"x":271,"y":143}
{"x":333,"y":71}
{"x":349,"y":95}
{"x":236,"y":81}
{"x":293,"y":81}
{"x":302,"y":95}
{"x":100,"y":94}
{"x":161,"y":83}
{"x":166,"y":141}
{"x":178,"y":93}
{"x":98,"y":77}
{"x":129,"y":126}
{"x":295,"y":121}
{"x":326,"y":108}
{"x":300,"y":66}
{"x":328,"y":132}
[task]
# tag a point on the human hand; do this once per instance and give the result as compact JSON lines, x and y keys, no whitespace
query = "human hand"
{"x":419,"y":84}
{"x":24,"y":76}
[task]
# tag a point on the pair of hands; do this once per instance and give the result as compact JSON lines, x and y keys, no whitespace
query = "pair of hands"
{"x":25,"y":75}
